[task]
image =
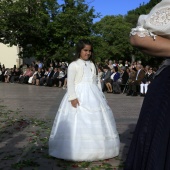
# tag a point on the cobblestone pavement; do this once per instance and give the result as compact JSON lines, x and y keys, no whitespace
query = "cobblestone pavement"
{"x":27,"y":114}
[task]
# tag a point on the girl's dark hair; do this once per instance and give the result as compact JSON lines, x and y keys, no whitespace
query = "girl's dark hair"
{"x":80,"y":45}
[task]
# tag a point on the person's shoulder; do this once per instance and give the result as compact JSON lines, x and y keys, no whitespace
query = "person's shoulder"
{"x":72,"y":65}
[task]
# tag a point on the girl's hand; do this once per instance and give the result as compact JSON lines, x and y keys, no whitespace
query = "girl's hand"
{"x":75,"y":102}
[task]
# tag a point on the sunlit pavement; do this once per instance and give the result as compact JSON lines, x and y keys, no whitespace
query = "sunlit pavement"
{"x":27,"y":114}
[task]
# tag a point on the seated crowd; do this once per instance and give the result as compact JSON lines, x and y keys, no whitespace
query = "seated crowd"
{"x":133,"y":78}
{"x":36,"y":74}
{"x":116,"y":78}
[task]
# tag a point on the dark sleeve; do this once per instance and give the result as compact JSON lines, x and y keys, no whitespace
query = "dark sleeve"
{"x":116,"y":77}
{"x":141,"y":76}
{"x":150,"y":77}
{"x":125,"y":77}
{"x":107,"y":76}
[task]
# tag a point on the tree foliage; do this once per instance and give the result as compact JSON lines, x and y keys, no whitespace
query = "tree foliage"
{"x":45,"y":29}
{"x":114,"y":31}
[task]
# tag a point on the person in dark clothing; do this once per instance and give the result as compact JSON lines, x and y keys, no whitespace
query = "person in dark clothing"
{"x":150,"y":145}
{"x":15,"y":76}
{"x":134,"y":84}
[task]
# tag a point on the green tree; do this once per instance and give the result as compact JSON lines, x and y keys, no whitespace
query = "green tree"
{"x":43,"y":28}
{"x":112,"y":33}
{"x":73,"y":22}
{"x":27,"y":23}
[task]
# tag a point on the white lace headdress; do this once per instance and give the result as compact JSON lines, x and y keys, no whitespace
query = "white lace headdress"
{"x":157,"y":22}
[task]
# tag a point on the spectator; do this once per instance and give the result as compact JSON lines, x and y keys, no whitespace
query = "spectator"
{"x":33,"y":64}
{"x":132,"y":74}
{"x":113,"y":78}
{"x":126,"y":64}
{"x":3,"y":76}
{"x":32,"y":79}
{"x":115,"y":63}
{"x":133,"y":85}
{"x":124,"y":76}
{"x":54,"y":77}
{"x":43,"y":77}
{"x":116,"y":81}
{"x":38,"y":76}
{"x":120,"y":64}
{"x":40,"y":64}
{"x":12,"y":72}
{"x":7,"y":75}
{"x":24,"y":67}
{"x":146,"y":69}
{"x":133,"y":64}
{"x":63,"y":65}
{"x":110,"y":65}
{"x":15,"y":76}
{"x":105,"y":77}
{"x":25,"y":77}
{"x":47,"y":80}
{"x":146,"y":81}
{"x":52,"y":66}
{"x":60,"y":78}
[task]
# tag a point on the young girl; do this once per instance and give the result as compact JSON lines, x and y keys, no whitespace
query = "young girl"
{"x":84,"y":128}
{"x":150,"y":146}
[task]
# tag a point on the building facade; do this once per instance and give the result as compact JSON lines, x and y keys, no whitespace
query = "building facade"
{"x":9,"y":56}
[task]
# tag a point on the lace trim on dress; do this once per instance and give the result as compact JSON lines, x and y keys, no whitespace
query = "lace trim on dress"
{"x":142,"y":32}
{"x":160,"y":17}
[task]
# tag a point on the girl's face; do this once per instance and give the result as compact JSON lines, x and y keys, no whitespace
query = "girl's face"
{"x":85,"y":52}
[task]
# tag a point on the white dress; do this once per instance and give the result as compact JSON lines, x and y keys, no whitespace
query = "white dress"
{"x":88,"y":132}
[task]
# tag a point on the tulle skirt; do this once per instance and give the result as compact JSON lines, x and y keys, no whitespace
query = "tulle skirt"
{"x":85,"y":133}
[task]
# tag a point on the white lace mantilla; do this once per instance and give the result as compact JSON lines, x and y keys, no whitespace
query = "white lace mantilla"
{"x":142,"y":32}
{"x":160,"y":17}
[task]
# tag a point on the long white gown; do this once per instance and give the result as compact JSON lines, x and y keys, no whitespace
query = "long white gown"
{"x":88,"y":132}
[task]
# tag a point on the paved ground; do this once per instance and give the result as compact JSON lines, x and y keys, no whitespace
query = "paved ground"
{"x":27,"y":113}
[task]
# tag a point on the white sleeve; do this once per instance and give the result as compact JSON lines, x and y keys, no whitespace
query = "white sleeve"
{"x":71,"y":81}
{"x":99,"y":82}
